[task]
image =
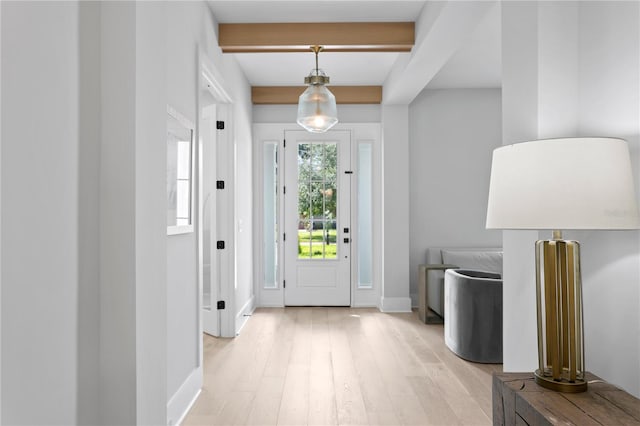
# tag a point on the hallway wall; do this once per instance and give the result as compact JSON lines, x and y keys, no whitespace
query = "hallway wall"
{"x":452,"y":134}
{"x":92,"y":328}
{"x":188,"y":26}
{"x":573,"y":69}
{"x":40,"y":134}
{"x":191,"y":26}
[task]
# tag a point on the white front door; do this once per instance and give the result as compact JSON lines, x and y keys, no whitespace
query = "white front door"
{"x":317,"y":263}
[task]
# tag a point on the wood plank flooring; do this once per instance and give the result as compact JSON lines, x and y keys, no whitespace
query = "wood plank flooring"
{"x":339,"y":366}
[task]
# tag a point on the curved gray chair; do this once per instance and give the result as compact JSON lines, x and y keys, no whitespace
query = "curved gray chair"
{"x":473,"y":319}
{"x":478,"y":259}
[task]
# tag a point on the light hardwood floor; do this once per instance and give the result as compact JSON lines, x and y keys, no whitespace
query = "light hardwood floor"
{"x":339,"y":366}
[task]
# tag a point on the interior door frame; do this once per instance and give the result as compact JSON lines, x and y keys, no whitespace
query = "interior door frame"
{"x":210,"y":80}
{"x":361,"y":133}
{"x":207,"y":148}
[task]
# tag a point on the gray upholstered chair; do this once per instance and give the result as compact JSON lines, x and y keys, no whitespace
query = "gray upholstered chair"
{"x":478,"y":259}
{"x":473,"y":320}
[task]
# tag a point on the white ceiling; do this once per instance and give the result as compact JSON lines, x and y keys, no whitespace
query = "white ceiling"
{"x":477,"y":64}
{"x":247,"y":11}
{"x":285,"y":69}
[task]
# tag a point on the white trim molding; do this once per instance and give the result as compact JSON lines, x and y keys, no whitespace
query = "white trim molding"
{"x":365,"y":298}
{"x":395,"y":304}
{"x":184,"y":398}
{"x":244,"y":313}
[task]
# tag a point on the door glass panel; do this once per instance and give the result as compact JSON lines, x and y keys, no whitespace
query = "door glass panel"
{"x":317,"y":200}
{"x":316,"y":160}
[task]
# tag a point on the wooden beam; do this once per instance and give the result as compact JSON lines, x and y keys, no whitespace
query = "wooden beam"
{"x":334,"y":37}
{"x":270,"y":95}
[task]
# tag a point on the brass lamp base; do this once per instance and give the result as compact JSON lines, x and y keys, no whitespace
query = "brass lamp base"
{"x":560,"y":386}
{"x":559,"y":306}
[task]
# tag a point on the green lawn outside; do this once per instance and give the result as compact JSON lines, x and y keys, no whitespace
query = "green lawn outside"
{"x":317,"y":238}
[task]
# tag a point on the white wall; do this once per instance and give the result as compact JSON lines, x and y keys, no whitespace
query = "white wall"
{"x":132,"y":187}
{"x":0,"y":216}
{"x":191,"y":25}
{"x":89,"y":223}
{"x":89,"y":214}
{"x":573,"y":69}
{"x":86,"y":330}
{"x":40,"y":198}
{"x":150,"y":212}
{"x":519,"y":123}
{"x":395,"y":213}
{"x":242,"y":116}
{"x":609,"y":84}
{"x":452,"y":134}
{"x":117,"y":215}
{"x":188,"y":26}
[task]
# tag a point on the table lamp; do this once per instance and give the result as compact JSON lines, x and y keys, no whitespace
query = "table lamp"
{"x":561,"y":184}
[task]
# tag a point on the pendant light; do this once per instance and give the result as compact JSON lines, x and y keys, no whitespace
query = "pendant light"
{"x":317,"y":111}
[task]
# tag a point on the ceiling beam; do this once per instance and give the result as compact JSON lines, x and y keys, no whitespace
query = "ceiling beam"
{"x":334,"y":37}
{"x":273,"y":95}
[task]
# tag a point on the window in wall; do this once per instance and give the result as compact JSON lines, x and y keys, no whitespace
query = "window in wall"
{"x":365,"y":218}
{"x":180,"y":158}
{"x":270,"y":225}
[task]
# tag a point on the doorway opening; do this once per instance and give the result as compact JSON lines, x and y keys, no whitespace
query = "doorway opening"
{"x":317,"y":219}
{"x":216,"y":167}
{"x":317,"y":216}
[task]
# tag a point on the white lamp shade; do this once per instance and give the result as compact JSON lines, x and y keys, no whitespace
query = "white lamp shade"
{"x":558,"y":184}
{"x":317,"y":110}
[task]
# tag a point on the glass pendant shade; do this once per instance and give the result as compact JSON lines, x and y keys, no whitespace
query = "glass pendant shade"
{"x":317,"y":109}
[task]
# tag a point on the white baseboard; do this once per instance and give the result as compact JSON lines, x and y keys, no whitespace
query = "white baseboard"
{"x":365,"y":305}
{"x":184,"y":398}
{"x":245,"y":312}
{"x":365,"y":298}
{"x":395,"y":304}
{"x":270,"y":305}
{"x":270,"y":298}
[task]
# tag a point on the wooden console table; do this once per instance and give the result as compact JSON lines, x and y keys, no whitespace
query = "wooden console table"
{"x":518,"y":400}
